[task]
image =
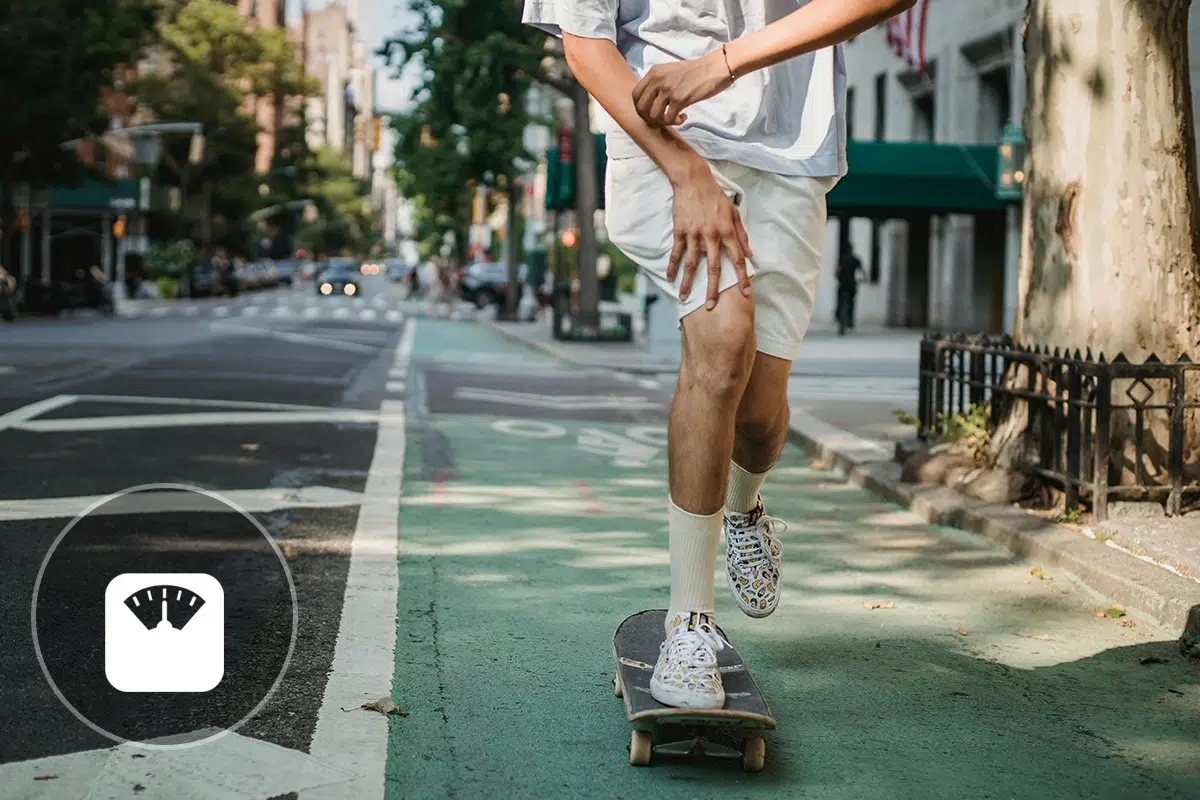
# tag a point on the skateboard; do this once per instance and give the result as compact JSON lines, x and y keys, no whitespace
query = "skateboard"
{"x":730,"y":732}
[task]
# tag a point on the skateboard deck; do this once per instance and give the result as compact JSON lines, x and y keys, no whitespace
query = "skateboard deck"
{"x":731,"y":731}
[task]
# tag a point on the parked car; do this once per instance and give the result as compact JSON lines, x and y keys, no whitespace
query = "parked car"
{"x":484,"y":283}
{"x":396,"y":269}
{"x":286,"y":271}
{"x":339,"y":278}
{"x":205,"y":281}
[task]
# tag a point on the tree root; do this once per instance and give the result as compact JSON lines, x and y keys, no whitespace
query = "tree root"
{"x":957,"y":467}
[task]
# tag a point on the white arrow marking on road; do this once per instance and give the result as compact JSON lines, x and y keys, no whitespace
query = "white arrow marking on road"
{"x":197,"y":419}
{"x":255,"y":501}
{"x":232,"y":766}
{"x":364,"y":658}
{"x":623,"y":451}
{"x":575,"y":403}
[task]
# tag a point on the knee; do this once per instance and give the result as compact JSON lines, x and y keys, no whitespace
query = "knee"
{"x":718,"y":353}
{"x":761,"y":422}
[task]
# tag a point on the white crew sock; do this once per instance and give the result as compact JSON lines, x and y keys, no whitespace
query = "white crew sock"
{"x":694,"y":541}
{"x":742,"y":494}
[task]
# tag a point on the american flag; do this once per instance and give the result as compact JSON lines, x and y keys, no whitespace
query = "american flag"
{"x":905,"y":34}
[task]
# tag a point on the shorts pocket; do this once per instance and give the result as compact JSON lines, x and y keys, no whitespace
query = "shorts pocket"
{"x":637,"y":216}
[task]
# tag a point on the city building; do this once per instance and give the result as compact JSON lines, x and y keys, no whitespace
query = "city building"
{"x":328,"y":53}
{"x":268,"y":112}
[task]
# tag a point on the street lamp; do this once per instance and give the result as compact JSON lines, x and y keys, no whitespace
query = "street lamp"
{"x":1010,"y":179}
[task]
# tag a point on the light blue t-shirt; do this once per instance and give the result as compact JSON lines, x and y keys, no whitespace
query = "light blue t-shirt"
{"x":789,"y":118}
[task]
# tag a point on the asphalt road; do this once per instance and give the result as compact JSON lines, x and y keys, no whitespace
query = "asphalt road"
{"x":156,"y":400}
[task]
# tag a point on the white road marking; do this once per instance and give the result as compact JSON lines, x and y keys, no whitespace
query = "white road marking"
{"x":312,"y":311}
{"x":160,"y":311}
{"x":191,"y":310}
{"x":396,"y":386}
{"x":529,"y":428}
{"x":298,"y":338}
{"x":393,"y":315}
{"x":576,"y":403}
{"x":281,"y":311}
{"x":367,"y":314}
{"x":624,"y":452}
{"x":249,"y":311}
{"x":23,"y":414}
{"x":341,"y":313}
{"x":197,"y":419}
{"x":6,"y":370}
{"x":231,"y":766}
{"x":256,"y":501}
{"x":397,"y":373}
{"x":365,"y":653}
{"x":221,"y":311}
{"x":199,"y":402}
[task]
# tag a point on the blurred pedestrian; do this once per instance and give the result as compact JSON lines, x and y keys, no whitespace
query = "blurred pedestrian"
{"x":849,"y":272}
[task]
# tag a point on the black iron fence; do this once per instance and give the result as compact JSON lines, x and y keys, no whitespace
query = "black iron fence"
{"x":1102,"y":429}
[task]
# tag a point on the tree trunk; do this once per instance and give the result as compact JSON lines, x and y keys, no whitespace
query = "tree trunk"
{"x":587,"y":195}
{"x":512,"y":248}
{"x":1109,"y":228}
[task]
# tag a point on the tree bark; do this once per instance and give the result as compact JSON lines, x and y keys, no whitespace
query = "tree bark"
{"x":587,"y":196}
{"x":1109,"y":228}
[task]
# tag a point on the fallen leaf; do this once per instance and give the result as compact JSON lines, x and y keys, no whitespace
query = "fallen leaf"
{"x":961,"y":631}
{"x":871,"y":606}
{"x":385,"y":706}
{"x":1115,"y":612}
{"x":1100,"y":614}
{"x":1038,"y":573}
{"x":45,"y":777}
{"x":1153,"y":660}
{"x":818,"y":464}
{"x":251,"y":446}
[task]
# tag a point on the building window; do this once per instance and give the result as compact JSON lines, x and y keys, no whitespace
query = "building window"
{"x":995,"y":104}
{"x":880,"y":106}
{"x":923,"y":117}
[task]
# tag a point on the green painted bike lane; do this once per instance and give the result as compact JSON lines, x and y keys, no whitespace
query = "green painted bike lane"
{"x":977,"y":681}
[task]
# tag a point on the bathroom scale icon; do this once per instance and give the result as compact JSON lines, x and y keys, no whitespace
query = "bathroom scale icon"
{"x":164,"y":632}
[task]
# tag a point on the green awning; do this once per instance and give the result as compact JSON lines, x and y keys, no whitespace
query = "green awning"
{"x":118,"y":196}
{"x":900,"y":179}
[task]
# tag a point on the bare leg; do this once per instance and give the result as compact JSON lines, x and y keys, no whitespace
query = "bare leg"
{"x":718,"y":354}
{"x":761,"y":427}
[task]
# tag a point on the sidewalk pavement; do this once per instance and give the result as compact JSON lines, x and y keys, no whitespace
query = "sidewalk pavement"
{"x":844,"y":392}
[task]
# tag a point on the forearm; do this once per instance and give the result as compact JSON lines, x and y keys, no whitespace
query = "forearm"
{"x":601,"y":69}
{"x":819,"y":24}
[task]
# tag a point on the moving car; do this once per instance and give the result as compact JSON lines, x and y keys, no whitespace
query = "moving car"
{"x":338,"y":278}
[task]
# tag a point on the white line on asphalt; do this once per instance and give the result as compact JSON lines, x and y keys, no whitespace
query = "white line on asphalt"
{"x":230,"y":766}
{"x":161,"y":311}
{"x":256,"y":501}
{"x":398,"y":373}
{"x":201,"y":402}
{"x":341,"y":313}
{"x":197,"y":419}
{"x":221,"y":311}
{"x":396,"y":386}
{"x":6,"y":370}
{"x":281,"y":311}
{"x":393,"y":315}
{"x":367,"y":313}
{"x":191,"y":310}
{"x":249,"y":311}
{"x":22,"y":415}
{"x":364,"y":658}
{"x":298,"y":338}
{"x":312,"y":311}
{"x":554,"y":401}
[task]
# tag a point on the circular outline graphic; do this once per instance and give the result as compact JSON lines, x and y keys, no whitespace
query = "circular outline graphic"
{"x":287,"y":571}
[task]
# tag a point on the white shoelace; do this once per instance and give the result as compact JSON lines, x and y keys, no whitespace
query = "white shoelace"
{"x":689,"y":646}
{"x":764,"y":545}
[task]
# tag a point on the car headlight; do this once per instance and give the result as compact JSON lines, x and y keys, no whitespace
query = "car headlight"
{"x":326,"y":288}
{"x":350,"y":288}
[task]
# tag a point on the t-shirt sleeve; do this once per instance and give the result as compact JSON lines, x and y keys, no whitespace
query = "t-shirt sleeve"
{"x":592,"y":19}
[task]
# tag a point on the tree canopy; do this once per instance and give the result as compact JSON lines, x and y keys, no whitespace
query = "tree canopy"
{"x":57,"y":59}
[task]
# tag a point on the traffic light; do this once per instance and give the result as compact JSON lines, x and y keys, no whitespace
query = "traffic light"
{"x":560,"y":176}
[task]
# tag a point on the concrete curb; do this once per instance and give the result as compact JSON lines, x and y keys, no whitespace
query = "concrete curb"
{"x":1156,"y":593}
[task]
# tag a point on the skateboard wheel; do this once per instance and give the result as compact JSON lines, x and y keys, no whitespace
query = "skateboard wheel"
{"x":641,"y":747}
{"x":617,"y":687}
{"x":754,"y":754}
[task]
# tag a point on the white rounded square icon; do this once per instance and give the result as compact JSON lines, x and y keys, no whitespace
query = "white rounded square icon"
{"x":164,"y":632}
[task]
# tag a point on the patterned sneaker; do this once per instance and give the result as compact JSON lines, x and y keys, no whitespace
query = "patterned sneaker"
{"x":752,"y":556}
{"x":686,"y":675}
